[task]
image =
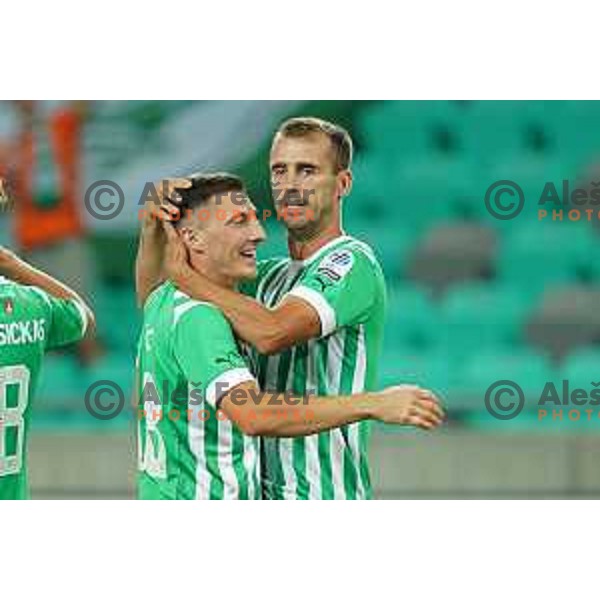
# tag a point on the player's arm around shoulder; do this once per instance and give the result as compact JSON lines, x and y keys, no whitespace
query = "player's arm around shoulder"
{"x":338,"y":290}
{"x":276,"y":414}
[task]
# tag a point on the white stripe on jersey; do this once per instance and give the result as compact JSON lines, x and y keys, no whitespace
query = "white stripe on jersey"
{"x":271,"y":372}
{"x":196,"y":441}
{"x":275,"y":287}
{"x":319,"y":303}
{"x":225,"y":454}
{"x":180,"y":310}
{"x":336,"y":447}
{"x":271,"y":445}
{"x":311,"y":442}
{"x":335,"y":354}
{"x":286,"y":445}
{"x":251,"y":464}
{"x":358,"y":385}
{"x":225,"y":382}
{"x":83,"y":314}
{"x":264,"y":279}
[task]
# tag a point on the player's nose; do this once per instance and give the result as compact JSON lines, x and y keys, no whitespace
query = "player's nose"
{"x":257,"y":232}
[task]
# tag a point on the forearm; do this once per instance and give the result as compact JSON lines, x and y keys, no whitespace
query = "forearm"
{"x":289,"y":415}
{"x":21,"y":272}
{"x":252,"y":322}
{"x":149,"y":261}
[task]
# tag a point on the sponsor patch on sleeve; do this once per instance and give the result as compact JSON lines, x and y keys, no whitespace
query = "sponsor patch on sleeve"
{"x":336,"y":265}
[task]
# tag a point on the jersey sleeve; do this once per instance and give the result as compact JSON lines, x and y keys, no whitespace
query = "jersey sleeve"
{"x":207,"y":353}
{"x":67,"y":319}
{"x":341,"y":286}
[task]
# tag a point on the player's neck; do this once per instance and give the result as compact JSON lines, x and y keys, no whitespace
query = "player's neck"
{"x":221,"y":280}
{"x":302,"y":246}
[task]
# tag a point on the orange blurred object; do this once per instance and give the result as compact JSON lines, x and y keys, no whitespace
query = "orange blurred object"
{"x":36,"y":225}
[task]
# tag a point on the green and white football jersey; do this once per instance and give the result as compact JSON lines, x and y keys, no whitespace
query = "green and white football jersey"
{"x":187,"y":448}
{"x":31,"y":322}
{"x":344,"y":282}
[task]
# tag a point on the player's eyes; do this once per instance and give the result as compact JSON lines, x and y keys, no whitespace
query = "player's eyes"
{"x":307,"y":170}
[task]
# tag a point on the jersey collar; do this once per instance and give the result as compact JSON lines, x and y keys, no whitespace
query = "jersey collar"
{"x":328,"y":246}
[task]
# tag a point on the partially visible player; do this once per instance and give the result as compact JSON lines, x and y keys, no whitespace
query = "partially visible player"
{"x":201,"y":408}
{"x":37,"y":313}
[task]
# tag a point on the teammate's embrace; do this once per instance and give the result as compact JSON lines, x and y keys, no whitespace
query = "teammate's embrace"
{"x":37,"y":313}
{"x":319,"y":319}
{"x":206,"y":446}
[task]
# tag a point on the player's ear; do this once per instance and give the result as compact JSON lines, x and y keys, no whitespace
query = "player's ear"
{"x":344,"y":182}
{"x":193,"y":239}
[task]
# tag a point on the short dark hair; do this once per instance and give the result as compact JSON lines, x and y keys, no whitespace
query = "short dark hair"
{"x":340,"y":139}
{"x":206,"y":185}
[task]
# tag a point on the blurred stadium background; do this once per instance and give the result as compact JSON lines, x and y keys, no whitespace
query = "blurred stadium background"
{"x":472,"y":299}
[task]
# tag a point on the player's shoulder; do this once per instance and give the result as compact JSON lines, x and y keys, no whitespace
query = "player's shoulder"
{"x":361,"y":249}
{"x":31,"y":297}
{"x":187,"y":310}
{"x":345,"y":254}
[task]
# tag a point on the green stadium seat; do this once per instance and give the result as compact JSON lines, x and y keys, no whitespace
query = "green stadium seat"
{"x":408,"y":128}
{"x":525,"y":367}
{"x":537,"y":254}
{"x":494,"y":128}
{"x":392,"y":247}
{"x":566,"y":318}
{"x":574,"y":127}
{"x":412,"y":318}
{"x":416,"y":192}
{"x":582,"y":368}
{"x":478,"y":316}
{"x":373,"y":198}
{"x":452,"y":252}
{"x":430,"y":370}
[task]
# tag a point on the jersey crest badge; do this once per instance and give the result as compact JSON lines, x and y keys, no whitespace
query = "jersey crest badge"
{"x":9,"y":307}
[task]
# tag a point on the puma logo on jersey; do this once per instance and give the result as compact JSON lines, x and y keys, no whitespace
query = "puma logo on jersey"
{"x":230,"y":359}
{"x":22,"y":332}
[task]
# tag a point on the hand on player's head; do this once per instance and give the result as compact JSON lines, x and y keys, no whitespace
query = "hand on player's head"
{"x":169,"y":201}
{"x":410,"y":405}
{"x":176,"y":254}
